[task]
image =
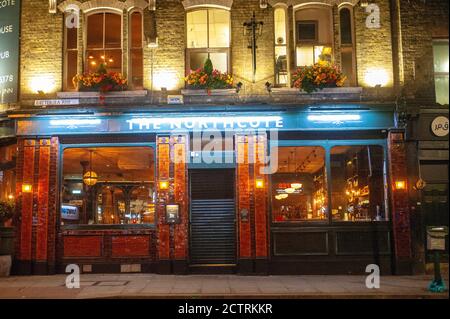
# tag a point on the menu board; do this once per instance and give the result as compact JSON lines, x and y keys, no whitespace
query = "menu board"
{"x":9,"y":50}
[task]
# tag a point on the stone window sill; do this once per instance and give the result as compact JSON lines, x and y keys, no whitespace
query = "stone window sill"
{"x":325,"y":91}
{"x":86,"y":95}
{"x":204,"y":92}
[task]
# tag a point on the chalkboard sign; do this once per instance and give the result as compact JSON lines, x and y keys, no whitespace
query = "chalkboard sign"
{"x":9,"y":50}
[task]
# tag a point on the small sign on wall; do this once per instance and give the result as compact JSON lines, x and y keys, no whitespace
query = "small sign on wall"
{"x":172,"y":213}
{"x":439,"y":126}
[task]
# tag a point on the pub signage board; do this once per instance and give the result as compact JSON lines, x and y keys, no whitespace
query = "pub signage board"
{"x":9,"y":50}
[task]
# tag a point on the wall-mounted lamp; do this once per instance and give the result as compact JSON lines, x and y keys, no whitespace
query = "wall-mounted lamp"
{"x":363,"y":3}
{"x":259,"y":184}
{"x":268,"y":86}
{"x":163,"y":185}
{"x":263,"y":4}
{"x":400,"y":185}
{"x":238,"y":87}
{"x":27,"y":188}
{"x":52,"y":6}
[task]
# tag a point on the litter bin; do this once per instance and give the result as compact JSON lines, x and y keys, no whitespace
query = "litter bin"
{"x":436,"y":243}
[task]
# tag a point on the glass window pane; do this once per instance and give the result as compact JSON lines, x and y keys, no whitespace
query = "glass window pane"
{"x":441,"y":57}
{"x":71,"y":68}
{"x":93,"y":59}
{"x":136,"y":30}
{"x":197,"y":60}
{"x":299,"y":187}
{"x":281,"y":71}
{"x":347,"y":66}
{"x":357,"y":179}
{"x":305,"y":55}
{"x":71,"y":41}
{"x":95,"y":31}
{"x":219,"y":61}
{"x":197,"y":29}
{"x":137,"y":68}
{"x":113,"y":30}
{"x":346,"y":26}
{"x":219,"y":28}
{"x":113,"y":60}
{"x":280,"y":26}
{"x":123,"y":192}
{"x":442,"y":85}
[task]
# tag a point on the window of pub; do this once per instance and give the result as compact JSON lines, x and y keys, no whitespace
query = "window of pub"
{"x":8,"y":180}
{"x":299,"y":187}
{"x":441,"y":70}
{"x":314,"y":35}
{"x":108,"y":185}
{"x":357,"y":179}
{"x":136,"y":51}
{"x":281,"y":64}
{"x":104,"y":42}
{"x":208,"y":36}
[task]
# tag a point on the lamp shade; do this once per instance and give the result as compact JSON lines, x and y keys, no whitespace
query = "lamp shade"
{"x":90,"y":178}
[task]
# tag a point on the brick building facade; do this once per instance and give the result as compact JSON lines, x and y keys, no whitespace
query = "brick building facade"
{"x":355,"y":138}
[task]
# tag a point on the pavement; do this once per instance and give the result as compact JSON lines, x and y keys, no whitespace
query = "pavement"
{"x":140,"y":286}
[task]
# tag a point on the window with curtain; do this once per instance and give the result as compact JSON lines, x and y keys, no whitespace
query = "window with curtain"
{"x":281,"y":65}
{"x":104,"y":41}
{"x":208,"y":36}
{"x":136,"y":51}
{"x":71,"y":56}
{"x":441,"y":71}
{"x":347,"y":45}
{"x":314,"y":35}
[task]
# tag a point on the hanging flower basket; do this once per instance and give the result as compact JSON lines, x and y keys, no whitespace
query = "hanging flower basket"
{"x":317,"y":77}
{"x":100,"y":81}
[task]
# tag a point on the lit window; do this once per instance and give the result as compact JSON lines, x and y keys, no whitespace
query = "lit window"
{"x":441,"y":71}
{"x":208,"y":36}
{"x":314,"y":35}
{"x":104,"y":42}
{"x":299,"y":187}
{"x":281,"y":65}
{"x":123,"y":192}
{"x":357,"y":183}
{"x":71,"y":55}
{"x":347,"y":45}
{"x":136,"y":51}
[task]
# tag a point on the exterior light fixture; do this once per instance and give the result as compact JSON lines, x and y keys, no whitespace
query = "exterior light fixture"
{"x":296,"y":185}
{"x":27,"y":188}
{"x":151,"y":5}
{"x":10,"y":196}
{"x":376,"y":77}
{"x":290,"y":190}
{"x":42,"y":84}
{"x":263,"y":4}
{"x":163,"y":185}
{"x":90,"y":178}
{"x":400,"y":185}
{"x":259,"y":183}
{"x":268,"y":87}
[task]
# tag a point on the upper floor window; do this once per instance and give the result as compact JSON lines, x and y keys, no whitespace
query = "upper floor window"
{"x":70,"y":54}
{"x":281,"y":64}
{"x":347,"y":45}
{"x":441,"y":71}
{"x":208,"y":36}
{"x":136,"y":51}
{"x":314,"y":35}
{"x":104,"y":41}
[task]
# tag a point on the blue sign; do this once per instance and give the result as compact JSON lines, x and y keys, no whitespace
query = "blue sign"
{"x":189,"y":122}
{"x":9,"y":50}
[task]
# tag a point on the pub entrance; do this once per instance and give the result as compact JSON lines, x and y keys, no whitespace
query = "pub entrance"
{"x":212,"y":218}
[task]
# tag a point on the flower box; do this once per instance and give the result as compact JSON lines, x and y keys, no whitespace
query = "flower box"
{"x":325,"y":91}
{"x":89,"y":95}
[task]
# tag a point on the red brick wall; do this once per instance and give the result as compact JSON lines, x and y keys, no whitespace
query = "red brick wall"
{"x":83,"y":246}
{"x":171,"y":167}
{"x":127,"y":246}
{"x":253,"y":234}
{"x":399,"y":199}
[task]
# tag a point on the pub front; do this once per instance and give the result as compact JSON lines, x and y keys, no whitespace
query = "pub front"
{"x":252,"y":189}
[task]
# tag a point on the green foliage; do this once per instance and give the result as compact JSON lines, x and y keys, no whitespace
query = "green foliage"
{"x":7,"y":209}
{"x":208,"y":67}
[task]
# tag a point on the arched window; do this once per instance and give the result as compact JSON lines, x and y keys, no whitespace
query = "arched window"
{"x":104,"y":41}
{"x":208,"y":36}
{"x":347,"y":45}
{"x":70,"y":51}
{"x":136,"y":69}
{"x":281,"y":64}
{"x":314,"y":35}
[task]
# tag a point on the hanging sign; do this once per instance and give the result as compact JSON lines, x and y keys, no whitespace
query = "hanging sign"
{"x":439,"y":126}
{"x":9,"y":50}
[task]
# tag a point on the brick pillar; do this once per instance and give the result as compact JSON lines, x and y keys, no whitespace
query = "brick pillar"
{"x":36,"y":230}
{"x":172,"y":239}
{"x":252,"y":204}
{"x":400,"y":204}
